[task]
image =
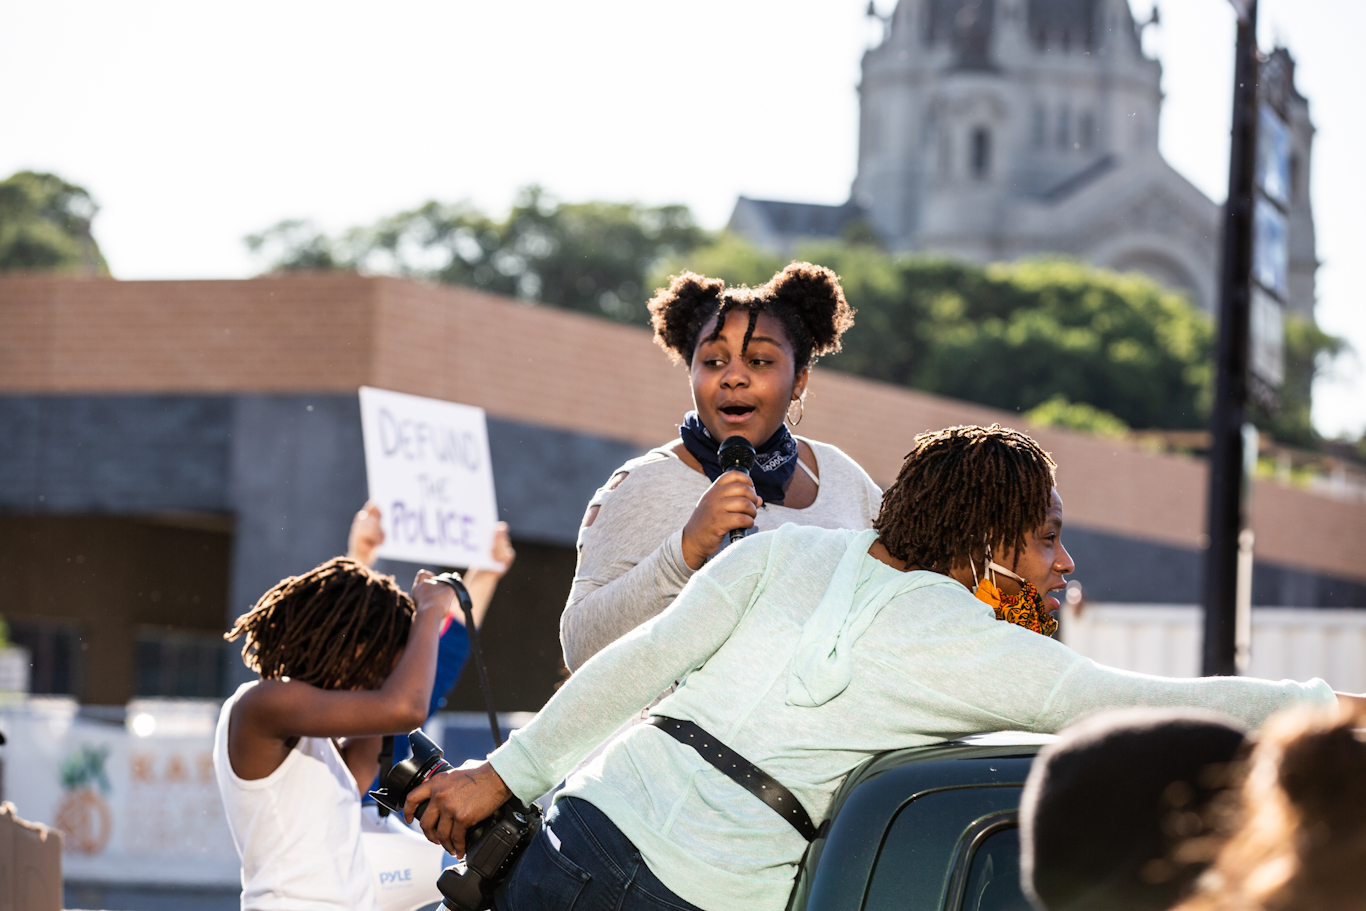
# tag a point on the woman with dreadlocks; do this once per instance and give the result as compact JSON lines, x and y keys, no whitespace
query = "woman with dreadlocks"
{"x":659,"y":517}
{"x":806,"y":651}
{"x":344,"y":657}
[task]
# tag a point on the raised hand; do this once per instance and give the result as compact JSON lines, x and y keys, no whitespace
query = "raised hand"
{"x":431,"y":595}
{"x":366,"y":535}
{"x":502,"y":548}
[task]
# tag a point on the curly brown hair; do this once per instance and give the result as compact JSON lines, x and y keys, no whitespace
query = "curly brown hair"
{"x":339,"y":626}
{"x":961,"y":490}
{"x":807,"y":300}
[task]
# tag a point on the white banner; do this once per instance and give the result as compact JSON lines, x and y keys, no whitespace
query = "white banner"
{"x":428,"y":468}
{"x":138,"y":802}
{"x":138,"y":809}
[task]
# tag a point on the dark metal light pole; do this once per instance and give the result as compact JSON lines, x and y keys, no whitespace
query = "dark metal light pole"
{"x":1226,"y":484}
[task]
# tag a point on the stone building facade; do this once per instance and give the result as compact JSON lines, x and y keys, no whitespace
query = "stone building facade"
{"x":997,"y":129}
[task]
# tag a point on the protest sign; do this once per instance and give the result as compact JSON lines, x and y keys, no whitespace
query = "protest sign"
{"x":428,"y":468}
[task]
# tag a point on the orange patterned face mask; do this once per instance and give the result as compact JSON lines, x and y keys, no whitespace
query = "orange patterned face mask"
{"x":1025,"y":609}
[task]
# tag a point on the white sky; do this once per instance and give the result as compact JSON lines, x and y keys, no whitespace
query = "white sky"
{"x":194,"y":124}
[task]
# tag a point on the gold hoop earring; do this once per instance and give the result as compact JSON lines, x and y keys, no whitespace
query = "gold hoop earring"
{"x":801,"y":411}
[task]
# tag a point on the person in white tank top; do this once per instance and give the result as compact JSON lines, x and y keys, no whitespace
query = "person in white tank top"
{"x":345,"y":657}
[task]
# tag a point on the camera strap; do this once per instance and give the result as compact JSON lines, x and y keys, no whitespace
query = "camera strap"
{"x":386,"y":762}
{"x":467,"y":608}
{"x":739,"y":770}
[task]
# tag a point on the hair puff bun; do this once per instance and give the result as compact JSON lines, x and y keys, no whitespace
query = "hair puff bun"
{"x":807,"y":299}
{"x":678,"y":312}
{"x":813,"y":294}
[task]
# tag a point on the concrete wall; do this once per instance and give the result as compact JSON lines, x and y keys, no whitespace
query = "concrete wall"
{"x":115,"y":454}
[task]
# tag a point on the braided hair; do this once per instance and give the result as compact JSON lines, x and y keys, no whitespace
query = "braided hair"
{"x":962,"y":490}
{"x":805,"y":298}
{"x":339,"y":626}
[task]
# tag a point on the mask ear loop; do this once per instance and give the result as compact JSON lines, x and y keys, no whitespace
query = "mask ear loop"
{"x":987,"y":565}
{"x":998,"y":568}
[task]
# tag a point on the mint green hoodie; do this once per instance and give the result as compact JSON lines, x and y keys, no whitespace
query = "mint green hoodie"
{"x":807,"y":656}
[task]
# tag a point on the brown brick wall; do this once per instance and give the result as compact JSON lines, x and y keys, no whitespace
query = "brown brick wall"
{"x":1106,"y":485}
{"x":527,"y":363}
{"x":298,"y":333}
{"x":332,"y":332}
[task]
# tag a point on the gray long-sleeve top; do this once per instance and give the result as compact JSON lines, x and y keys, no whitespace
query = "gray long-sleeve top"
{"x":631,"y":563}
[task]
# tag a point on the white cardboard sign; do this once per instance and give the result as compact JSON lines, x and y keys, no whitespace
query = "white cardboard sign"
{"x":428,"y":468}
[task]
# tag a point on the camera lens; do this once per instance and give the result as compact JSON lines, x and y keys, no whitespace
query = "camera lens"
{"x":426,"y":761}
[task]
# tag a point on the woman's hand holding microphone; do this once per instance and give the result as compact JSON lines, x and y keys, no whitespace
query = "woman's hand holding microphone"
{"x":731,"y":502}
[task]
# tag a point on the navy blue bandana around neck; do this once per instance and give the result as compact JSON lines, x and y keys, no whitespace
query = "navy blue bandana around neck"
{"x":774,"y":461}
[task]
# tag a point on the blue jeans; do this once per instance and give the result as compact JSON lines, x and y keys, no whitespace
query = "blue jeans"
{"x":596,"y":868}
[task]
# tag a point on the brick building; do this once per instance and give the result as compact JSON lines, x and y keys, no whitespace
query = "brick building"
{"x":168,"y":450}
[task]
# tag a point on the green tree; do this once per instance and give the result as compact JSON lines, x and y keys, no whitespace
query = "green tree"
{"x":45,"y":226}
{"x":1058,"y":412}
{"x":727,"y":256}
{"x":294,"y":245}
{"x":1018,"y":335}
{"x":592,"y":257}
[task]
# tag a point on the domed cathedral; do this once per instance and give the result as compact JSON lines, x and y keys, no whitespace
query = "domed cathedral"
{"x":995,"y":129}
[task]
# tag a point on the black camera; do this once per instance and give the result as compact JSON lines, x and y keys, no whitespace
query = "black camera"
{"x":426,"y":761}
{"x":491,"y":846}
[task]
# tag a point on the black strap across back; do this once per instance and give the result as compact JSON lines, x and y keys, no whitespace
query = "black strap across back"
{"x":739,"y":770}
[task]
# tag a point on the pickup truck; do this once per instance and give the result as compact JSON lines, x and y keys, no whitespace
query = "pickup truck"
{"x":930,"y":828}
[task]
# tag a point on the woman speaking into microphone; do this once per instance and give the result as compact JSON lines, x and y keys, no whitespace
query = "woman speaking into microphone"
{"x":661,"y":516}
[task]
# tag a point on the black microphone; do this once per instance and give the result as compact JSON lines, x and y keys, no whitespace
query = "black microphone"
{"x":736,"y":454}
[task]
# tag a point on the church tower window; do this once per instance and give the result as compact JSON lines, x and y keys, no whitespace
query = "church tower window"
{"x":1086,"y":137}
{"x":1064,"y":137}
{"x":1040,"y":137}
{"x":981,"y":153}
